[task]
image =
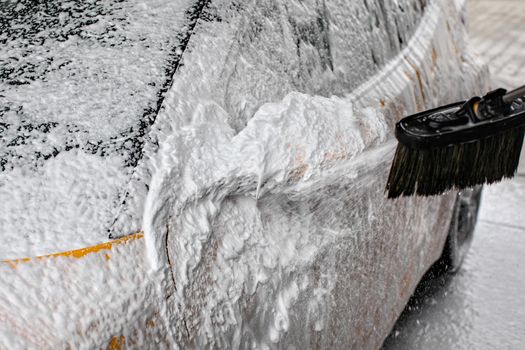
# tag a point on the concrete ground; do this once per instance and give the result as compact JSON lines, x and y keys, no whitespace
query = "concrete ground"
{"x":483,"y":306}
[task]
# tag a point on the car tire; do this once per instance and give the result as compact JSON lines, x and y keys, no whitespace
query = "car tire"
{"x":461,"y":229}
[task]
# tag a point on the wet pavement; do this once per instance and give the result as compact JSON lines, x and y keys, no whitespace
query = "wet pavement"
{"x":483,"y":305}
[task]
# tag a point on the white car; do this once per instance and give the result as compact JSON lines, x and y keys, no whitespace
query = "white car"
{"x":210,"y":174}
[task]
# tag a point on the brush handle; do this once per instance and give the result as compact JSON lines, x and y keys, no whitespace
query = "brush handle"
{"x":514,"y":94}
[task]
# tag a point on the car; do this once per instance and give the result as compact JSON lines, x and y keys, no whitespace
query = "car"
{"x":205,"y":174}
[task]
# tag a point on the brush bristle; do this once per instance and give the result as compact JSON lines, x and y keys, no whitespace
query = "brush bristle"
{"x":433,"y":171}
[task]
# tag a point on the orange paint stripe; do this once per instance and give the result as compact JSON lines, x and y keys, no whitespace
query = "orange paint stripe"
{"x":80,"y":253}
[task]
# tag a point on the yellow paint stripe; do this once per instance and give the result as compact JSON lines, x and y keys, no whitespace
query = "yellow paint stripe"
{"x":82,"y":252}
{"x":116,"y":343}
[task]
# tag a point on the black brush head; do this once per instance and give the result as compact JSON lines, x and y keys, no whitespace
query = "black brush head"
{"x":433,"y":171}
{"x":457,"y":146}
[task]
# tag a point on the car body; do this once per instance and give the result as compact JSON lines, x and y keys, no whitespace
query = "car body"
{"x":235,"y":154}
